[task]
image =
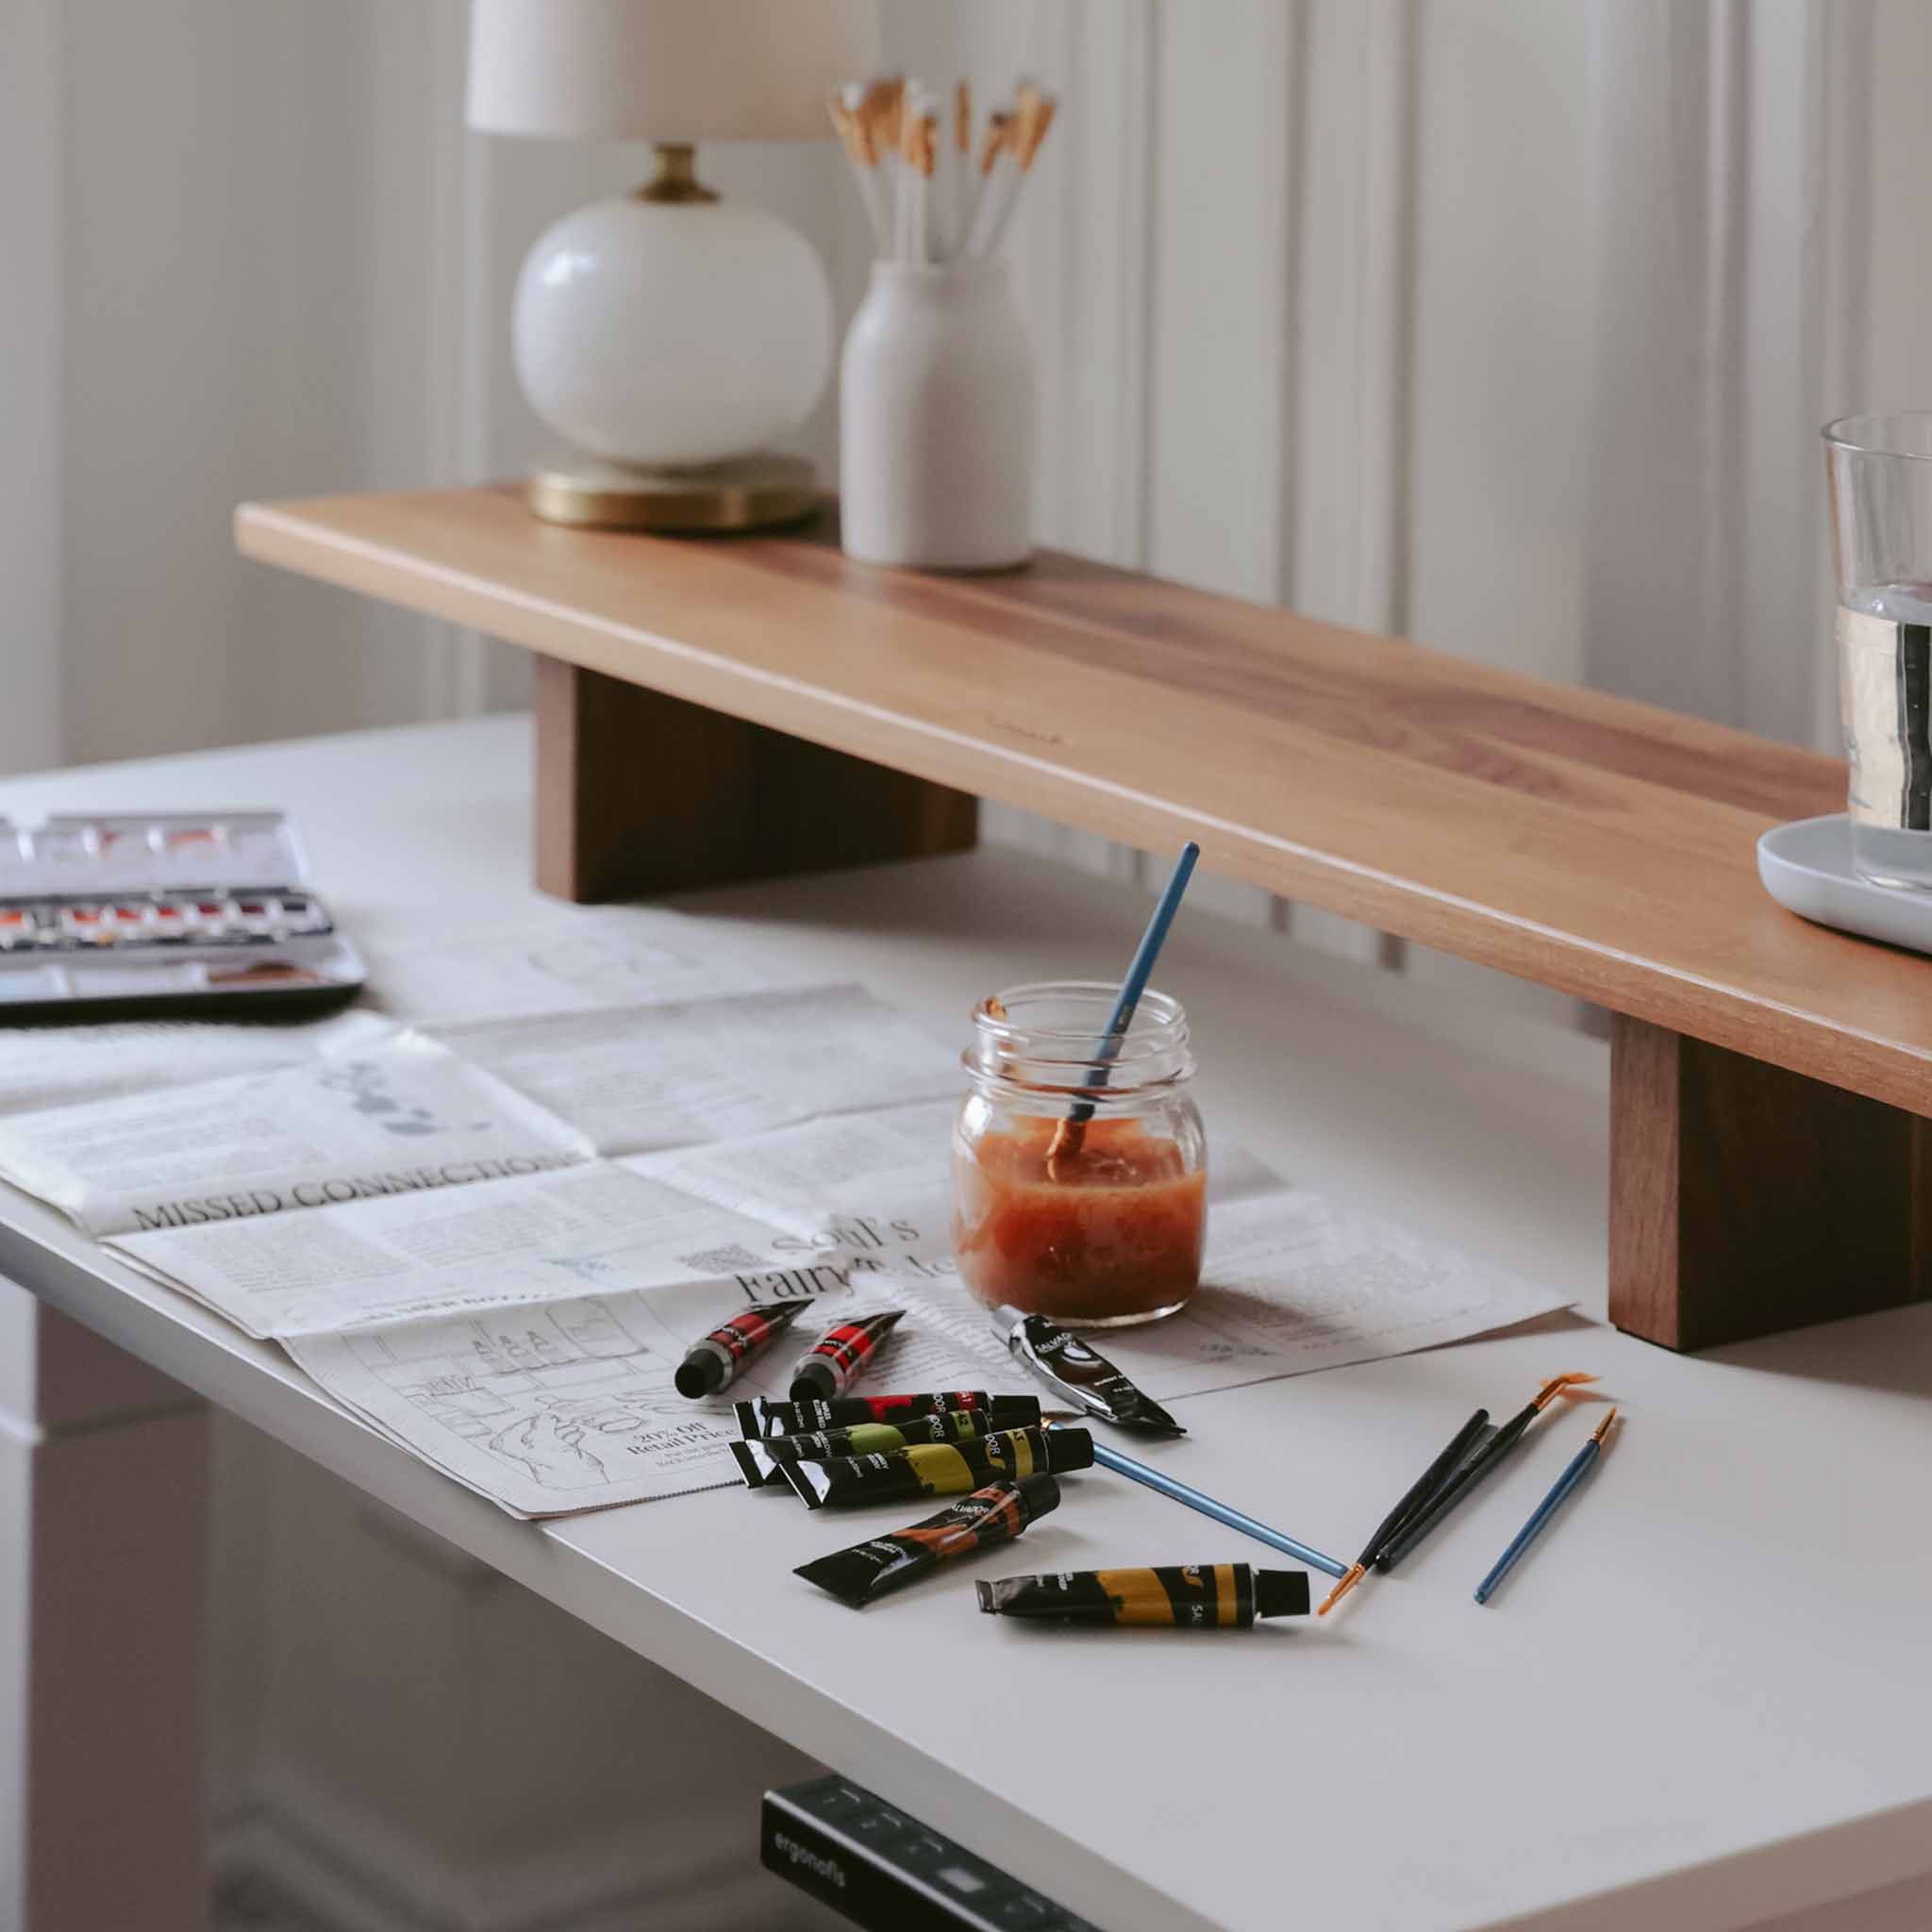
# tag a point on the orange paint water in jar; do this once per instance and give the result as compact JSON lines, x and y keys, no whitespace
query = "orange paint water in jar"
{"x":1079,"y":1175}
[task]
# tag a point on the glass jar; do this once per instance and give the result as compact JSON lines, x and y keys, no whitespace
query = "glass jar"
{"x":1079,"y":1175}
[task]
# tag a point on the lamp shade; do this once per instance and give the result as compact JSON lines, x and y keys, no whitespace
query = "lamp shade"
{"x":664,"y":70}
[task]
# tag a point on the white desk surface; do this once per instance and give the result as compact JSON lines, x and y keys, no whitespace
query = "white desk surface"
{"x":1703,"y":1702}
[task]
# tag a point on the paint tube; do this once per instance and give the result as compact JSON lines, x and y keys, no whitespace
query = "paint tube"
{"x":838,"y":1357}
{"x":994,"y":1514}
{"x":1083,"y":1376}
{"x":1188,"y":1596}
{"x":761,"y":1462}
{"x":939,"y":1469}
{"x":714,"y":1362}
{"x":763,"y":1418}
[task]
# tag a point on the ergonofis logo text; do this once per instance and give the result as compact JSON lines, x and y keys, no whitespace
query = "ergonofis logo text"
{"x":824,"y":1868}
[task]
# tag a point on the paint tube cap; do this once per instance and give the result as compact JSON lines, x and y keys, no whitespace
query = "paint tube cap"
{"x":1281,"y":1593}
{"x":700,"y":1374}
{"x":1069,"y":1448}
{"x":1041,"y":1494}
{"x":1013,"y":1411}
{"x":814,"y":1382}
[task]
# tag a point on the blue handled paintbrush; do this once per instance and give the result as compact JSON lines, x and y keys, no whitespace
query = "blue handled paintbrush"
{"x":1580,"y":1466}
{"x":1107,"y":1456}
{"x":1068,"y":1135}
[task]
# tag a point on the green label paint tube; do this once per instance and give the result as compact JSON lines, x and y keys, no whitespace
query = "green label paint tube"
{"x":761,"y":1462}
{"x":994,"y":1514}
{"x":1188,"y":1596}
{"x":941,"y":1469}
{"x":765,"y":1418}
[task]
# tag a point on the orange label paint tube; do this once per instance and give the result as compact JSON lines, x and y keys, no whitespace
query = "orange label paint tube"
{"x":994,"y":1514}
{"x":761,"y":1418}
{"x":1188,"y":1596}
{"x":941,"y":1469}
{"x":837,"y":1358}
{"x":714,"y":1362}
{"x":761,"y":1462}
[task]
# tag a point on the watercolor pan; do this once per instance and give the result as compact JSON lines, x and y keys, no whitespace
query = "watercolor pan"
{"x":105,"y":915}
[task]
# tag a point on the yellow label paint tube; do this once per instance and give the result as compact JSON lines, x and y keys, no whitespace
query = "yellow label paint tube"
{"x":1188,"y":1596}
{"x":762,"y":1462}
{"x":994,"y":1514}
{"x":941,"y":1469}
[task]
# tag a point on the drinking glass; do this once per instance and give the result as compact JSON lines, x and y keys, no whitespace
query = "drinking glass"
{"x":1878,"y":469}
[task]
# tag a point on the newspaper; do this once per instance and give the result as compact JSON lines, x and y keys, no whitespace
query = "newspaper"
{"x":402,"y":1116}
{"x":638,"y":1077}
{"x":1290,"y":1283}
{"x":495,"y":1237}
{"x":60,"y":1065}
{"x":575,"y":960}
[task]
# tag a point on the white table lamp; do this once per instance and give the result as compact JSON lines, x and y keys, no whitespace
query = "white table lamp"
{"x":667,"y":333}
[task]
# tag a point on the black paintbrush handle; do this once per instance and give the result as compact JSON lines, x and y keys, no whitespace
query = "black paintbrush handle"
{"x":1424,"y":1486}
{"x":1458,"y":1486}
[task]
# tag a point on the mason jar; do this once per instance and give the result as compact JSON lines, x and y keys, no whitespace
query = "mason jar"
{"x":1079,"y":1174}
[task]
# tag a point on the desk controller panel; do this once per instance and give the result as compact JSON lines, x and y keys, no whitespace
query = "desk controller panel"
{"x":870,"y":1862}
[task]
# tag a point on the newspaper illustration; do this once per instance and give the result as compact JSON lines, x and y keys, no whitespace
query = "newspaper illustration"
{"x":569,"y":1406}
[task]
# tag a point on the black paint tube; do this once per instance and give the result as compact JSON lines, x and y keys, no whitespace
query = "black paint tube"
{"x":762,"y":1462}
{"x":941,"y":1469}
{"x":839,"y":1356}
{"x":1188,"y":1596}
{"x":1082,"y":1376}
{"x":714,"y":1361}
{"x":994,"y":1514}
{"x":763,"y":1418}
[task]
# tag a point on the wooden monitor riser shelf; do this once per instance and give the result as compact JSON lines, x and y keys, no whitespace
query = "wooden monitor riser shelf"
{"x":719,"y":710}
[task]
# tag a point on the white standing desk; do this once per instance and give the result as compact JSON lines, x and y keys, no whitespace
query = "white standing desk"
{"x":1702,"y":1703}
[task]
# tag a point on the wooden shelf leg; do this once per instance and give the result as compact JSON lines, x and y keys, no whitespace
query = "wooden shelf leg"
{"x":1745,"y":1199}
{"x":640,"y":794}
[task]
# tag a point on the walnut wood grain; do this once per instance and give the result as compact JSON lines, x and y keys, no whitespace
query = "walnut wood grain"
{"x":1745,"y":1199}
{"x":1573,"y":839}
{"x":639,"y":794}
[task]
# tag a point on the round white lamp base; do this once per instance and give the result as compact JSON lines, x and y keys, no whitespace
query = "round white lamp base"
{"x":671,"y":335}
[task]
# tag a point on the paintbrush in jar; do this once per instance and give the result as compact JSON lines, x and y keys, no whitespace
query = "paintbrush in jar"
{"x":1069,"y":1135}
{"x":861,"y":149}
{"x":998,"y":142}
{"x":1033,"y":113}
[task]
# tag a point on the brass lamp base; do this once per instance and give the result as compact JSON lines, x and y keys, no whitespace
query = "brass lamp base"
{"x":741,"y":494}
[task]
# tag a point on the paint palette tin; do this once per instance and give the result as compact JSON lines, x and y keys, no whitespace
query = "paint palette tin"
{"x":103,"y":915}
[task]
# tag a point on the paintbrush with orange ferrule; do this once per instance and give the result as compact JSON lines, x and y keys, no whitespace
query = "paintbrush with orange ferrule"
{"x":1414,"y":1498}
{"x":1476,"y":1469}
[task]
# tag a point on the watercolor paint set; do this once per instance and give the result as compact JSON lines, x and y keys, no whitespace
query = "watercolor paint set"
{"x":103,"y":915}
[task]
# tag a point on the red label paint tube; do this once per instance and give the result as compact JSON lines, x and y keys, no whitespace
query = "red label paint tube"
{"x":837,"y":1358}
{"x":995,"y":1514}
{"x":762,"y":1462}
{"x":715,"y":1362}
{"x":761,"y":1418}
{"x":1188,"y":1596}
{"x":941,"y":1469}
